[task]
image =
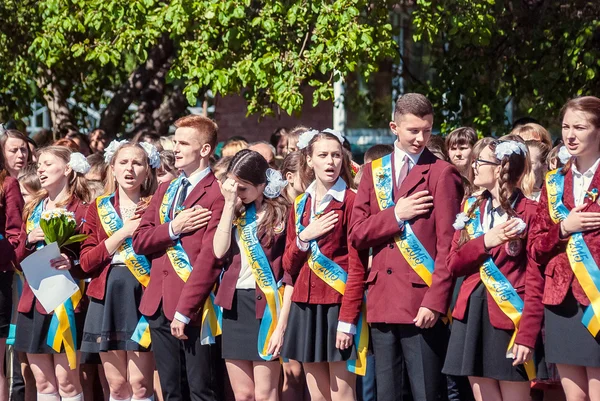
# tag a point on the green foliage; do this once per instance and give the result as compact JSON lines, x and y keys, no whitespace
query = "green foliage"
{"x":486,"y":53}
{"x":266,"y":50}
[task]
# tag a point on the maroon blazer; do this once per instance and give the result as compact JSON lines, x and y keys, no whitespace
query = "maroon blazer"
{"x":549,"y":249}
{"x":308,"y":287}
{"x":395,"y":291}
{"x":11,"y":211}
{"x":27,"y":298}
{"x":521,"y":271}
{"x":233,"y":265}
{"x":95,"y":259}
{"x":152,"y":239}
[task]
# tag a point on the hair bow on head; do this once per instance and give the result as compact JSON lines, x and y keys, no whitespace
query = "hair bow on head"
{"x":563,"y":155}
{"x":112,"y":148}
{"x":275,"y":183}
{"x":153,"y":155}
{"x":507,"y":148}
{"x":305,"y":138}
{"x":79,"y":163}
{"x":2,"y":129}
{"x":336,"y":134}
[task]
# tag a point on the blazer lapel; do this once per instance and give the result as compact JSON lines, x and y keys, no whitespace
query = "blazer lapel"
{"x":416,"y":175}
{"x":199,"y":191}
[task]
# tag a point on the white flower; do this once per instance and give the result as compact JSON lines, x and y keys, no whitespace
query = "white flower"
{"x":111,"y":149}
{"x":78,"y":163}
{"x":306,"y":137}
{"x":521,"y":226}
{"x":507,"y":148}
{"x":153,"y":155}
{"x":564,"y":155}
{"x":461,"y":221}
{"x":275,"y":183}
{"x":335,"y":133}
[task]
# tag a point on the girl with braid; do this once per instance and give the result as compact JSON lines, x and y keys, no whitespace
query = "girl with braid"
{"x":498,"y":313}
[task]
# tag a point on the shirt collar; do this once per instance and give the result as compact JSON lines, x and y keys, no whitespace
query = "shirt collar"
{"x":589,"y":173}
{"x":197,"y":176}
{"x":399,"y":155}
{"x":337,"y":191}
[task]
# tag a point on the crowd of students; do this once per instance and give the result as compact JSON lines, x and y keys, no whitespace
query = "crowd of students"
{"x":453,"y":269}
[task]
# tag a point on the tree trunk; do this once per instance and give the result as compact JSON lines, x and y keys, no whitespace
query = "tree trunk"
{"x":173,"y":107}
{"x":56,"y":97}
{"x":112,"y":117}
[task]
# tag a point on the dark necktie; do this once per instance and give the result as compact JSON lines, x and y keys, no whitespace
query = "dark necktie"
{"x":185,"y":183}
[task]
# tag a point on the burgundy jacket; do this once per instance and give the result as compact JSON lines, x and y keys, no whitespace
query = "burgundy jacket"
{"x":27,"y":298}
{"x":152,"y":239}
{"x":521,"y":271}
{"x":395,"y":290}
{"x":11,"y":211}
{"x":308,"y":287}
{"x":549,"y":249}
{"x":95,"y":259}
{"x":233,"y":265}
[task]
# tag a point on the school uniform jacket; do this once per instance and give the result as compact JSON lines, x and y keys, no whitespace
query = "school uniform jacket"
{"x":11,"y":210}
{"x":152,"y":239}
{"x":521,"y":271}
{"x":549,"y":249}
{"x":73,"y":250}
{"x":308,"y":287}
{"x":95,"y":259}
{"x":233,"y":265}
{"x":395,"y":290}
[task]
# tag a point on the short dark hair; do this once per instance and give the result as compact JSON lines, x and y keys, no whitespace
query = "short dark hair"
{"x":461,"y":136}
{"x":377,"y":152}
{"x":412,"y":103}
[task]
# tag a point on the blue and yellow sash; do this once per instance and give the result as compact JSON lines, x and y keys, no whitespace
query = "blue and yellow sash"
{"x":501,"y":290}
{"x":212,"y":314}
{"x":247,"y":228}
{"x":410,"y":247}
{"x":138,"y":265}
{"x":582,"y":263}
{"x":334,"y":276}
{"x":62,"y":330}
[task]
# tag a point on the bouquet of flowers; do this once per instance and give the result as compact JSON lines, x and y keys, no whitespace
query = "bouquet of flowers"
{"x":59,"y":226}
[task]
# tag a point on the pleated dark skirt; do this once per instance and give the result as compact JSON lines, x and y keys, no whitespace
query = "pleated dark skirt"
{"x":567,"y":339}
{"x":6,"y":279}
{"x":32,"y":332}
{"x":111,"y":322}
{"x":311,"y":333}
{"x":477,"y":348}
{"x":240,"y":328}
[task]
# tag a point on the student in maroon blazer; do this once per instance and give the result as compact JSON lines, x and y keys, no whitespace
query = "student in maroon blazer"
{"x":11,"y":210}
{"x":115,"y":293}
{"x":568,"y":342}
{"x":63,"y":184}
{"x":404,"y":312}
{"x":322,"y":321}
{"x":252,"y":189}
{"x":481,"y":332}
{"x":174,"y":307}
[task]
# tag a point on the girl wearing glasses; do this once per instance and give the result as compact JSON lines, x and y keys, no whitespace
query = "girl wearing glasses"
{"x":498,"y":315}
{"x":567,"y":242}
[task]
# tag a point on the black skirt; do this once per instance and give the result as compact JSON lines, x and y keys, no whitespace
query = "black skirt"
{"x":32,"y":332}
{"x":311,"y":333}
{"x":568,"y":341}
{"x":111,"y":322}
{"x":6,"y":302}
{"x":240,"y":328}
{"x":477,"y":348}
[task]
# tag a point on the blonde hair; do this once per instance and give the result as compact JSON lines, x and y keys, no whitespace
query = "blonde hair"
{"x":533,"y":132}
{"x":233,"y":146}
{"x":77,"y":184}
{"x":150,"y":183}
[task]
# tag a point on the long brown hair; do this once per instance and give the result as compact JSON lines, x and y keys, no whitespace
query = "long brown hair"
{"x":292,"y":163}
{"x":512,"y":168}
{"x":11,"y":133}
{"x":251,"y":166}
{"x":586,"y":104}
{"x":148,"y":186}
{"x":345,"y":172}
{"x":77,"y":184}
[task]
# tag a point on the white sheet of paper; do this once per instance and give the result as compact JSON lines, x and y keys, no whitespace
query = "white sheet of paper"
{"x":50,"y":286}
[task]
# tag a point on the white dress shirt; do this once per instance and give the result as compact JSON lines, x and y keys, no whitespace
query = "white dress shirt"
{"x":399,"y":156}
{"x":581,"y":182}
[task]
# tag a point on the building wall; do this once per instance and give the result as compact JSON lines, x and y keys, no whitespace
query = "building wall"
{"x":230,"y":115}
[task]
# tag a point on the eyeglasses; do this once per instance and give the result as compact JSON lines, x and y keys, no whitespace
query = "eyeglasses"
{"x":484,"y":162}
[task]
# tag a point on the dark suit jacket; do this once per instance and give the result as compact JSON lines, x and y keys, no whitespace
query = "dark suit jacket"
{"x":521,"y":271}
{"x":395,"y":291}
{"x":308,"y":287}
{"x":152,"y":239}
{"x":549,"y":249}
{"x":11,"y":211}
{"x":27,"y":298}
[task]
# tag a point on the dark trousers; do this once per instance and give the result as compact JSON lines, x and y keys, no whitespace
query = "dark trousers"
{"x":202,"y":364}
{"x":420,"y":351}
